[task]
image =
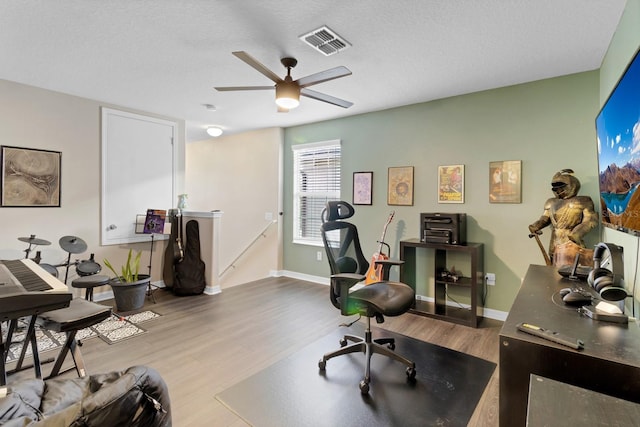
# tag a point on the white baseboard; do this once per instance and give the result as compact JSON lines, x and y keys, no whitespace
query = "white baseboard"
{"x":486,"y":312}
{"x":300,"y":276}
{"x":212,"y":290}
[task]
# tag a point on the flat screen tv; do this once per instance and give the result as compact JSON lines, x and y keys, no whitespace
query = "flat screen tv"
{"x":618,"y":134}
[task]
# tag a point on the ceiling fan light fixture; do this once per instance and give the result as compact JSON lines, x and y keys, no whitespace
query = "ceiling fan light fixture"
{"x":287,"y":95}
{"x":214,"y":131}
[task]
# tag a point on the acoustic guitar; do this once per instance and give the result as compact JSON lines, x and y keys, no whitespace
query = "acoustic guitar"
{"x":374,"y":273}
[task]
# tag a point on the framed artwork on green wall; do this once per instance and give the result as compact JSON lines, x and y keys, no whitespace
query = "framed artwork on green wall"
{"x":451,"y":184}
{"x":400,"y":186}
{"x":362,"y":188}
{"x":505,"y":183}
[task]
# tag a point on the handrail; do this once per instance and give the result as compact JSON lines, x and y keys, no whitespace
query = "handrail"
{"x":261,"y":234}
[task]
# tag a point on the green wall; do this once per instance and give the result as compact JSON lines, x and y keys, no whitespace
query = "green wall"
{"x":548,"y":124}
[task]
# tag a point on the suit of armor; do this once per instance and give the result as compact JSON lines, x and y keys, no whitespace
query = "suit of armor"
{"x":570,"y":215}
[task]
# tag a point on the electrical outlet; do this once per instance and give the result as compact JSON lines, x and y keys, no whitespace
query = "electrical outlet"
{"x":319,"y":256}
{"x":491,"y":278}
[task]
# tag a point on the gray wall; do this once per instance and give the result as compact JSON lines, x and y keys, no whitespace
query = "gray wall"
{"x":36,"y":118}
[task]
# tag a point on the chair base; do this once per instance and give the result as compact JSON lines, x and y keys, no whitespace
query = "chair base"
{"x":369,"y":347}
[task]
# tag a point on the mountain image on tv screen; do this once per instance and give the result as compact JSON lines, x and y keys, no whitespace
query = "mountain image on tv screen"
{"x":618,"y":135}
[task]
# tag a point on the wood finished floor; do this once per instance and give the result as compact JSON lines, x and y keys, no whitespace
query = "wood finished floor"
{"x":204,"y":344}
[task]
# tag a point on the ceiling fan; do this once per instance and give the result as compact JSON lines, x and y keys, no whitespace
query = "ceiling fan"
{"x":288,"y":91}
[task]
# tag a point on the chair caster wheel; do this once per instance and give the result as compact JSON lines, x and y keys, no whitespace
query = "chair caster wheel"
{"x":322,"y":365}
{"x":343,"y":342}
{"x":364,"y":387}
{"x":411,"y":373}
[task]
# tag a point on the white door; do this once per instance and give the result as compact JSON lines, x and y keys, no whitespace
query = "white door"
{"x":138,"y":172}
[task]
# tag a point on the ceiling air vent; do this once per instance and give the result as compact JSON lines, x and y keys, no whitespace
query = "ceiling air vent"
{"x":325,"y":41}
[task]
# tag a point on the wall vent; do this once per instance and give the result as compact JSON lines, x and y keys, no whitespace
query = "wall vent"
{"x":325,"y":41}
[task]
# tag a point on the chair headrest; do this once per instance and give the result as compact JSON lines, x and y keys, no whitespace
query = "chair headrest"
{"x":338,"y":210}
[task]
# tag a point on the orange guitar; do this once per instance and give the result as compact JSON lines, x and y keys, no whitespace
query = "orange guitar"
{"x":374,"y":274}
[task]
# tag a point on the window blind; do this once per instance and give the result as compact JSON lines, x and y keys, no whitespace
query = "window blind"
{"x":316,"y":180}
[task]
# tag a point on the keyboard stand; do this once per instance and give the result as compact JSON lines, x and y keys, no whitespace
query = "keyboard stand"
{"x":29,"y":339}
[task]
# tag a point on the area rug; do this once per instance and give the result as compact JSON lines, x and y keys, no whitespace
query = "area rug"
{"x":114,"y":329}
{"x":293,"y":392}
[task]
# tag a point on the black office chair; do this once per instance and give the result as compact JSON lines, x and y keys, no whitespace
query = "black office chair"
{"x":384,"y":298}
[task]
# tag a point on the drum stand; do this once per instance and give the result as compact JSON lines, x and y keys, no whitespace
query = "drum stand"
{"x":72,"y":245}
{"x":33,"y":241}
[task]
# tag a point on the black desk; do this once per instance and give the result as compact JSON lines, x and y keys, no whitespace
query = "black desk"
{"x":554,"y":403}
{"x":609,"y":363}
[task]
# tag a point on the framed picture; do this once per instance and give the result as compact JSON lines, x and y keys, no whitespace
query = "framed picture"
{"x":451,"y":184}
{"x":400,"y":186}
{"x":30,"y":177}
{"x":362,"y":188}
{"x":505,"y":183}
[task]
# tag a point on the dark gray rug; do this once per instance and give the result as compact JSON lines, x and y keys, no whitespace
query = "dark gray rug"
{"x":293,"y":392}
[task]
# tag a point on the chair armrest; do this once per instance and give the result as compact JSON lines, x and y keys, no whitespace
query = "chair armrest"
{"x":390,"y":262}
{"x":386,"y":266}
{"x":340,"y":285}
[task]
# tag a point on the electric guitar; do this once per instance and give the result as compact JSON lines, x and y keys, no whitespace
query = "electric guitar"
{"x":374,"y":273}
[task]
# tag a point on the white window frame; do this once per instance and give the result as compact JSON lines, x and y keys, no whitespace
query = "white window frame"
{"x":313,"y":153}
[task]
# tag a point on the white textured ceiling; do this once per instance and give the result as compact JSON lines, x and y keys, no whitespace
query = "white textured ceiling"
{"x":165,"y":56}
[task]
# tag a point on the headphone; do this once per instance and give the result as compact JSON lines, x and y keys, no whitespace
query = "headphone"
{"x":608,"y":283}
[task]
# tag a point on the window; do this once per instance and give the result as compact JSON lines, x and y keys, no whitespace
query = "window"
{"x":316,"y":180}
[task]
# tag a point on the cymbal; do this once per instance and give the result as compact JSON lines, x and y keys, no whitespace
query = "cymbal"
{"x":32,"y":240}
{"x":73,"y":244}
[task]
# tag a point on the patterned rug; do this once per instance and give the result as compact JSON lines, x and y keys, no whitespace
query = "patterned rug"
{"x":112,"y":330}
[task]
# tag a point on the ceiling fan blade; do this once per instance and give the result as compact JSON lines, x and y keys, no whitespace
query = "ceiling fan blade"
{"x":257,"y":65}
{"x":230,"y":88}
{"x":323,"y":76}
{"x":325,"y":98}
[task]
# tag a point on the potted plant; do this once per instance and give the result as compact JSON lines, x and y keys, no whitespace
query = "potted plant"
{"x":129,"y":287}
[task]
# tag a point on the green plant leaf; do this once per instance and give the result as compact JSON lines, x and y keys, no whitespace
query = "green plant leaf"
{"x":129,"y":271}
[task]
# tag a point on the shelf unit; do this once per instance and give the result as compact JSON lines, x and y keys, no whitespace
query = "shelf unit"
{"x":474,"y":283}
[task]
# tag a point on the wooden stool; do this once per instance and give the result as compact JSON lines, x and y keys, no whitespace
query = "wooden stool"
{"x":90,"y":282}
{"x":79,"y":315}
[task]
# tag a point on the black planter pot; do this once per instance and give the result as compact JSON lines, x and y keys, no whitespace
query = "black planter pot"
{"x":130,"y":296}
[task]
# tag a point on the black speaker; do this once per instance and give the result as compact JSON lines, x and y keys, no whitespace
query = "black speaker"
{"x":609,"y":283}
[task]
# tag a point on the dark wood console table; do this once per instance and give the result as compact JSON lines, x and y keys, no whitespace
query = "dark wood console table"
{"x":439,"y":308}
{"x":608,"y":364}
